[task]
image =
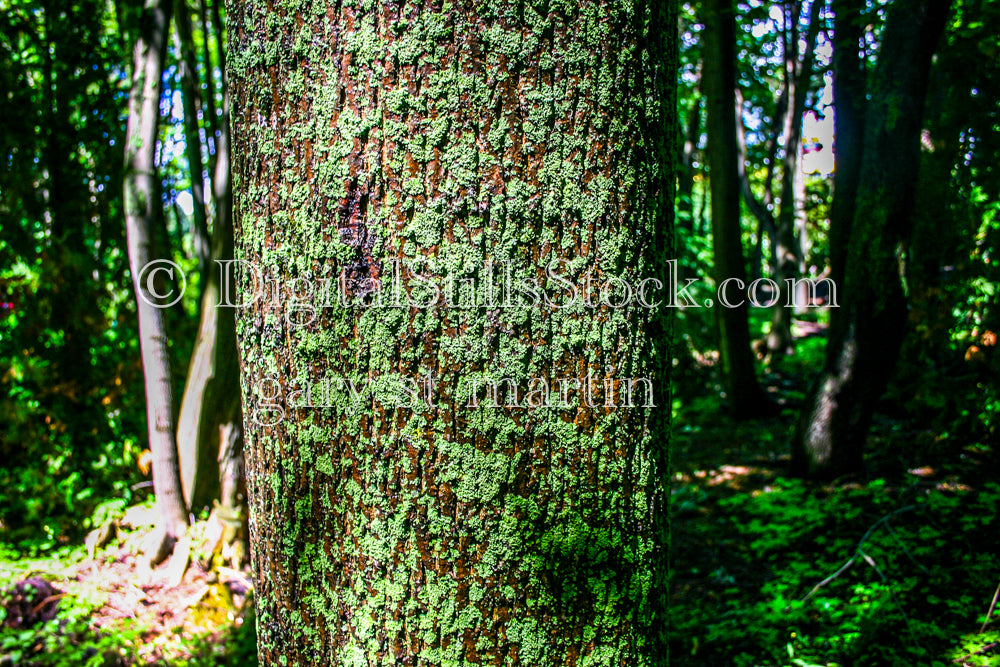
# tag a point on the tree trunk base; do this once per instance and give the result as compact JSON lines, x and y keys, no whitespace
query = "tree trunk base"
{"x":157,"y":546}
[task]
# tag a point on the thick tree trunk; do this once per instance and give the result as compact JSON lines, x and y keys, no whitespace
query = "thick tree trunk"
{"x":746,"y":398}
{"x":936,"y":245}
{"x":849,"y":91}
{"x":395,"y":519}
{"x":143,"y":207}
{"x":868,"y":328}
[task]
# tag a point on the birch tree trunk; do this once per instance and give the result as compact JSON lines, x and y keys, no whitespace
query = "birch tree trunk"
{"x":143,"y":212}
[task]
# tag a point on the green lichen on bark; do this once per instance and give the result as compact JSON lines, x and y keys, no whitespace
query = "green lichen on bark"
{"x":368,"y":134}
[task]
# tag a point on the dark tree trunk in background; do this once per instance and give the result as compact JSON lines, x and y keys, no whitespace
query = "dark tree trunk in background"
{"x":210,"y":30}
{"x":67,"y":202}
{"x":746,"y":398}
{"x":703,"y":209}
{"x":388,"y":530}
{"x":143,"y":208}
{"x":939,"y":240}
{"x":868,"y":328}
{"x":760,"y":209}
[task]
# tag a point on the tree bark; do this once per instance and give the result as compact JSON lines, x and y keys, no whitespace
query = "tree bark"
{"x":375,"y":146}
{"x":746,"y":398}
{"x":143,"y":208}
{"x":868,"y":328}
{"x":850,"y":89}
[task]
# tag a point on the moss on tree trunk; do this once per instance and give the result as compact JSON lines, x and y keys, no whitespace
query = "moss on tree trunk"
{"x":376,"y":142}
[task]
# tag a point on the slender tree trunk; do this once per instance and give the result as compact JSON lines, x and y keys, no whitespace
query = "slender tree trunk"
{"x":703,"y":206}
{"x":415,"y":520}
{"x":759,"y":208}
{"x":188,"y":66}
{"x":787,"y":247}
{"x":685,"y":181}
{"x":220,"y":41}
{"x":211,"y":115}
{"x":801,"y":295}
{"x":868,"y":327}
{"x":209,"y":435}
{"x":746,"y":398}
{"x":143,"y":207}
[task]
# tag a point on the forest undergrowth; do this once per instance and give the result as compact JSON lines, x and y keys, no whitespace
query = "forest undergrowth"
{"x":899,"y":566}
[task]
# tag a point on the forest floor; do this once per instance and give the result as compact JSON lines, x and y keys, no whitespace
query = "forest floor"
{"x":895,"y":567}
{"x":171,"y":615}
{"x":113,"y":609}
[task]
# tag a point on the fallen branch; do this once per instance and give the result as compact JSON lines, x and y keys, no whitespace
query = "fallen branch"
{"x":857,"y":552}
{"x":993,"y":605}
{"x":977,"y":652}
